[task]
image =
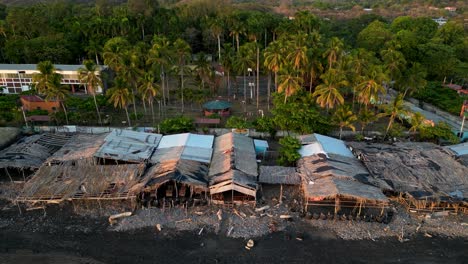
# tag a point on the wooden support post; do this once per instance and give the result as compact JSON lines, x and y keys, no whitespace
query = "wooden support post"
{"x":6,"y":170}
{"x":281,"y":194}
{"x":337,"y":204}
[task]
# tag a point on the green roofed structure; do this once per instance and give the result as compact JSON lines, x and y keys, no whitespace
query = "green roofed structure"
{"x":222,"y":108}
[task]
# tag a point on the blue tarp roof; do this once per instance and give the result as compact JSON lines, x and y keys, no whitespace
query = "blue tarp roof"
{"x":217,"y":105}
{"x":327,"y":145}
{"x":460,"y":149}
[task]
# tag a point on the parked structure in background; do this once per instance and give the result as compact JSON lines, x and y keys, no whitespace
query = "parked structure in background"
{"x":17,"y":78}
{"x":441,"y":21}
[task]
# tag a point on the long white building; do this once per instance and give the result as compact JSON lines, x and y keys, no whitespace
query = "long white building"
{"x":17,"y":78}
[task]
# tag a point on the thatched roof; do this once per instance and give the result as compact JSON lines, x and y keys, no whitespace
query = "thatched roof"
{"x":336,"y":175}
{"x":184,"y":171}
{"x":79,"y":147}
{"x":279,"y":175}
{"x":82,"y":182}
{"x":331,"y":187}
{"x":234,"y":165}
{"x":234,"y":151}
{"x":422,"y":170}
{"x":31,"y":152}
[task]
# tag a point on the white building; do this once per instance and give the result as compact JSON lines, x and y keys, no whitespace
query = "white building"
{"x":17,"y":78}
{"x":441,"y":21}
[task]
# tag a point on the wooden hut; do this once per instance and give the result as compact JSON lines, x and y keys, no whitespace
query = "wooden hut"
{"x":222,"y":108}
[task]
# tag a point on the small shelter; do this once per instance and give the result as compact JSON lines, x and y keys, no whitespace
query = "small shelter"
{"x":261,"y":146}
{"x":332,"y":177}
{"x":34,"y":102}
{"x":222,"y":108}
{"x":422,"y":176}
{"x":234,"y":170}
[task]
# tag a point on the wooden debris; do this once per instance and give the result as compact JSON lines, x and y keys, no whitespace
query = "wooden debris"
{"x":158,"y":227}
{"x":201,"y":230}
{"x":250,"y":244}
{"x":262,"y":208}
{"x":230,"y":231}
{"x":427,"y":235}
{"x":220,"y":215}
{"x":238,"y":214}
{"x":184,"y":220}
{"x":35,"y":208}
{"x":285,"y":216}
{"x":113,"y":218}
{"x":199,"y":213}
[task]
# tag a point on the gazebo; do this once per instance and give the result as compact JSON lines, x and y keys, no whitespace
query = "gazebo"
{"x":222,"y":108}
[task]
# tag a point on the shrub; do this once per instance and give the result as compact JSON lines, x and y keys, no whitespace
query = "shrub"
{"x":289,"y":151}
{"x":176,"y":125}
{"x":237,"y":122}
{"x":265,"y":124}
{"x":441,"y":131}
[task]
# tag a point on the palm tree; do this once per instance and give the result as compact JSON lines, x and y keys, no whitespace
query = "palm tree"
{"x":228,"y":64}
{"x":328,"y":93}
{"x":289,"y":83}
{"x":274,"y":58}
{"x":148,"y":89}
{"x":88,"y":76}
{"x":113,"y":52}
{"x":365,"y":118}
{"x":181,"y":52}
{"x":394,"y":62}
{"x":44,"y":78}
{"x":160,"y":56}
{"x":344,"y":117}
{"x":334,"y":51}
{"x":359,"y":65}
{"x":371,"y":85}
{"x":298,"y":52}
{"x":217,"y":29}
{"x":396,"y":109}
{"x":244,"y":61}
{"x":417,"y":122}
{"x":57,"y":92}
{"x":237,"y":29}
{"x":203,"y":68}
{"x":119,"y":96}
{"x":412,"y":80}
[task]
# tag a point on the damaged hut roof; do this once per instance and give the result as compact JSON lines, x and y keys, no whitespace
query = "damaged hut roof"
{"x":233,"y":180}
{"x":316,"y":143}
{"x":279,"y":175}
{"x":234,"y":165}
{"x":461,"y":151}
{"x":331,"y":187}
{"x":183,"y":171}
{"x":422,"y":170}
{"x":336,"y":175}
{"x":184,"y":146}
{"x":234,"y":151}
{"x":58,"y":183}
{"x":31,"y":152}
{"x":79,"y":147}
{"x":127,"y":145}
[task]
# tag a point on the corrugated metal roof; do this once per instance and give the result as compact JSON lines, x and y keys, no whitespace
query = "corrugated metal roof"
{"x":197,"y":154}
{"x":187,"y":139}
{"x":128,"y":145}
{"x":217,"y":105}
{"x":328,"y":145}
{"x":311,"y":149}
{"x":460,"y":149}
{"x":184,"y":171}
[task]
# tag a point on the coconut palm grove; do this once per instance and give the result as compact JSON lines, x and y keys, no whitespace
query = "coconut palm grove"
{"x":294,"y":68}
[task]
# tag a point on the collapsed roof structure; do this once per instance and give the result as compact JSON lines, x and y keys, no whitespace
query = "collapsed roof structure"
{"x":425,"y":175}
{"x":278,"y":175}
{"x":29,"y":153}
{"x":233,"y":172}
{"x":332,"y":176}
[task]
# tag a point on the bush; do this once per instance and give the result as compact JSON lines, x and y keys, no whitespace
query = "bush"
{"x":396,"y":131}
{"x":265,"y":124}
{"x":442,"y":97}
{"x":237,"y":122}
{"x":138,"y":116}
{"x":289,"y":151}
{"x":176,"y":125}
{"x":440,"y":132}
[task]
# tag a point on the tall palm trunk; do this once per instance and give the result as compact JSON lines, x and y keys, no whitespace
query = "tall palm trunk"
{"x":229,"y":84}
{"x":65,"y":111}
{"x":144,"y":105}
{"x":390,"y":123}
{"x":152,"y":111}
{"x":269,"y":90}
{"x":128,"y":117}
{"x":245,"y":93}
{"x":258,"y":74}
{"x":341,"y":131}
{"x":182,"y":88}
{"x":162,"y":86}
{"x":237,"y":42}
{"x":219,"y":47}
{"x":276,"y":81}
{"x":97,"y":109}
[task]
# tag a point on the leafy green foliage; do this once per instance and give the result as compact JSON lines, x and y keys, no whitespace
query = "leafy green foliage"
{"x":441,"y":131}
{"x":289,"y":151}
{"x":300,"y":114}
{"x":265,"y":124}
{"x":176,"y":125}
{"x":442,"y":97}
{"x":8,"y":105}
{"x":237,"y":122}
